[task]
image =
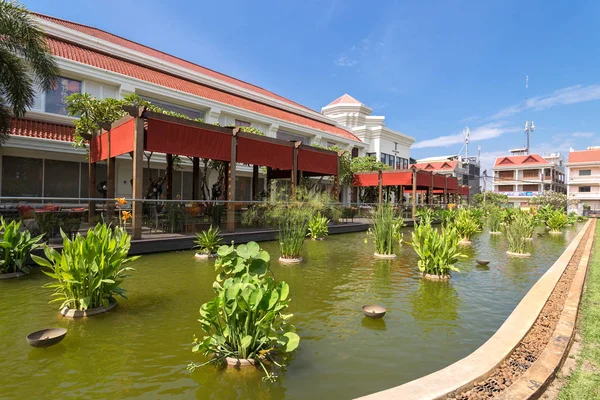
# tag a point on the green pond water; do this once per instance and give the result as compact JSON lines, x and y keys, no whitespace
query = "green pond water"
{"x":141,"y":350}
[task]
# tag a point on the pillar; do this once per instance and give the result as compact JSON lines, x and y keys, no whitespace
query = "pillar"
{"x":254,"y":183}
{"x":169,"y":176}
{"x":414,"y":194}
{"x":138,"y":178}
{"x":91,"y":190}
{"x":231,"y":175}
{"x":295,"y":169}
{"x":380,"y":185}
{"x":195,"y":178}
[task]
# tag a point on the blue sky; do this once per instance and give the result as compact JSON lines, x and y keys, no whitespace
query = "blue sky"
{"x":430,"y":67}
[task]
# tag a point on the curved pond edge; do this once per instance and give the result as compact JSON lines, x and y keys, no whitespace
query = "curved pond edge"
{"x":462,"y":374}
{"x":72,"y":313}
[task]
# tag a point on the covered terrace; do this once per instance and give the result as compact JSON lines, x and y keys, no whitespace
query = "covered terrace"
{"x":144,"y":131}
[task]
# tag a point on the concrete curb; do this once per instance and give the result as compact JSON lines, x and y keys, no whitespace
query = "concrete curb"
{"x":535,"y":380}
{"x":478,"y":365}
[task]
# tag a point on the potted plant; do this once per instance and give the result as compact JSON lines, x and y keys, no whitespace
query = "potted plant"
{"x":466,"y":226}
{"x":438,"y":251}
{"x":245,"y":323}
{"x":15,"y":247}
{"x":317,"y":227}
{"x":208,"y":242}
{"x":88,"y":273}
{"x":383,"y":232}
{"x":557,"y":221}
{"x":516,"y":234}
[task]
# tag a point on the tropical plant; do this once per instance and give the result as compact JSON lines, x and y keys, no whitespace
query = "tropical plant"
{"x":478,"y":215}
{"x":490,"y":198}
{"x":509,"y":215}
{"x":495,"y":219}
{"x":293,"y":224}
{"x":425,"y":215}
{"x":246,"y":319}
{"x":466,"y":225}
{"x":557,"y":221}
{"x":438,"y":251}
{"x":383,"y":231}
{"x":24,"y":52}
{"x":446,"y":216}
{"x":397,"y":226}
{"x":317,"y":226}
{"x":15,"y":246}
{"x":543,"y":213}
{"x":554,"y":199}
{"x":516,"y":233}
{"x":89,"y":271}
{"x":529,"y":222}
{"x":209,"y":240}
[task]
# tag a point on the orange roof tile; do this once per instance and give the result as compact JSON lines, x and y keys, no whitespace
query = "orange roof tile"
{"x":109,"y":37}
{"x":41,"y":130}
{"x":520,"y":160}
{"x":113,"y":64}
{"x":584,"y":156}
{"x":437,"y":166}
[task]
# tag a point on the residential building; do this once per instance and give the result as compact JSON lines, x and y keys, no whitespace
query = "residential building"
{"x":583,"y":183}
{"x":387,"y":145}
{"x":522,"y":177}
{"x":39,"y":159}
{"x":466,"y":169}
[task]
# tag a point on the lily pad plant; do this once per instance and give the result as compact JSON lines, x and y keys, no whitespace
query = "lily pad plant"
{"x":438,"y":250}
{"x":89,"y":271}
{"x":245,"y":323}
{"x":208,"y":242}
{"x":317,"y":227}
{"x":15,"y":247}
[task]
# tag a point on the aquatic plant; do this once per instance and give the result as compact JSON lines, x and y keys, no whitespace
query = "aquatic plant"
{"x":89,"y":271}
{"x":466,"y":225}
{"x":446,"y":216}
{"x":425,"y":214}
{"x":557,"y":221}
{"x":438,"y":250}
{"x":383,"y":231}
{"x":293,"y":225}
{"x":209,"y":240}
{"x":317,"y":226}
{"x":495,"y":218}
{"x":15,"y":246}
{"x":516,"y":233}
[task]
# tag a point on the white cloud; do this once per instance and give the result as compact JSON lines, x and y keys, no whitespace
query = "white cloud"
{"x":483,"y":132}
{"x":345,"y":61}
{"x":583,"y":134}
{"x":568,"y":95}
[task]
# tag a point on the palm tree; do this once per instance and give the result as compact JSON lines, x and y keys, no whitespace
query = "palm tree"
{"x":24,"y":61}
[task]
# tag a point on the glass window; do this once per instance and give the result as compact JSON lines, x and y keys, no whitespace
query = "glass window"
{"x":585,"y":189}
{"x":176,"y":185}
{"x":354,"y":152}
{"x":239,"y":122}
{"x":190,"y":112}
{"x":371,"y":154}
{"x":292,"y":137}
{"x":243,"y":188}
{"x":21,"y":176}
{"x":188,"y":185}
{"x":55,"y":99}
{"x":530,"y":188}
{"x":61,"y":179}
{"x":585,"y":172}
{"x":331,"y":144}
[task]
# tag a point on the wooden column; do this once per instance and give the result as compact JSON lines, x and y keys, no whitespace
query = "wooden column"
{"x":295,"y":170}
{"x":414,"y":194}
{"x":336,"y":178}
{"x":110,"y":187}
{"x":138,"y":177}
{"x":445,"y":199}
{"x":231,"y":175}
{"x":169,"y":176}
{"x":255,"y":191}
{"x":91,"y":190}
{"x":380,"y":186}
{"x":195,"y":178}
{"x":268,"y":183}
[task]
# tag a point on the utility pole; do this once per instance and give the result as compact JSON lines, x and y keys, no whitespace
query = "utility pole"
{"x":484,"y":185}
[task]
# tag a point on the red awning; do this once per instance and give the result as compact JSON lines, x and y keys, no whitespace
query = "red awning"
{"x":320,"y":162}
{"x":263,"y":152}
{"x":122,"y":137}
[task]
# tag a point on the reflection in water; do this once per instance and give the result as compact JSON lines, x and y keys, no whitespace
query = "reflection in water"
{"x":376,"y":324}
{"x":437,"y":302}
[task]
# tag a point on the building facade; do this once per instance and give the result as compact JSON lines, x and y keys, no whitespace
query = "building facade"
{"x":387,"y":145}
{"x":584,"y":180}
{"x":523,"y":177}
{"x":468,"y":171}
{"x":40,"y":161}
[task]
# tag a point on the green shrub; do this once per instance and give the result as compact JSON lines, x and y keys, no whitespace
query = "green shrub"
{"x":208,"y":241}
{"x":557,"y":221}
{"x":15,"y":247}
{"x":516,"y":232}
{"x":317,"y":226}
{"x":425,"y":215}
{"x":466,"y":225}
{"x":90,"y":269}
{"x":446,"y":216}
{"x":477,"y":214}
{"x":438,"y":251}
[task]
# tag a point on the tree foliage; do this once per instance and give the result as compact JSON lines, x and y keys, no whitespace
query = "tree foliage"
{"x":555,"y":199}
{"x":491,"y":198}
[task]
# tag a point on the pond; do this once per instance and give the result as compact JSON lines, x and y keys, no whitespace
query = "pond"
{"x":141,"y":350}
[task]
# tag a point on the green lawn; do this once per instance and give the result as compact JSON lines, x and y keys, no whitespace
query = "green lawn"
{"x":584,"y":382}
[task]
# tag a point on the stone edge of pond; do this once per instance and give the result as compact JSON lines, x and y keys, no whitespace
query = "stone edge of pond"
{"x":476,"y":366}
{"x":534,"y":381}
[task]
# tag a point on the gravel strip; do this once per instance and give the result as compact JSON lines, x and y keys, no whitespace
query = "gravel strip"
{"x":532,"y":345}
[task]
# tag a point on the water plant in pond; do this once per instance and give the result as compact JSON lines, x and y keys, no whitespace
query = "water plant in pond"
{"x":466,"y":225}
{"x":293,"y":225}
{"x":495,"y":218}
{"x":397,"y":226}
{"x":383,"y":232}
{"x":543,"y":213}
{"x":438,"y":250}
{"x":446,"y":216}
{"x":246,"y":319}
{"x":209,"y":240}
{"x":425,"y":215}
{"x":89,"y":271}
{"x":516,"y":233}
{"x":529,"y":223}
{"x":317,"y":226}
{"x":477,"y":214}
{"x":557,"y":221}
{"x":15,"y":247}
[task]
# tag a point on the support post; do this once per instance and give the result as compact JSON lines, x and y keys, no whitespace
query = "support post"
{"x":414,"y":194}
{"x":91,"y":190}
{"x":138,"y":178}
{"x":169,"y":176}
{"x":380,"y":185}
{"x":445,"y":199}
{"x":110,"y":186}
{"x":268,"y":182}
{"x":295,"y":170}
{"x":195,"y":178}
{"x":336,"y":178}
{"x":231,"y":183}
{"x":254,"y":183}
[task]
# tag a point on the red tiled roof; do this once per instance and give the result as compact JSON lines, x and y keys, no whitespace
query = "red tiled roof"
{"x":528,"y":159}
{"x":109,"y":37}
{"x":41,"y":130}
{"x":344,"y":99}
{"x":437,"y":166}
{"x":584,"y":156}
{"x":109,"y":63}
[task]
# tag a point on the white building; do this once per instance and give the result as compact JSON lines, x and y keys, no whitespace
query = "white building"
{"x":387,"y":145}
{"x":583,"y":187}
{"x":40,"y":161}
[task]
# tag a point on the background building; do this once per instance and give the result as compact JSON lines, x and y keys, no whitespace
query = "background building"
{"x":468,"y":170}
{"x":584,"y":179}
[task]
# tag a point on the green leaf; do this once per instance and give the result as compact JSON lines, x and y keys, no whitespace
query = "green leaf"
{"x":246,"y":341}
{"x":291,"y":340}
